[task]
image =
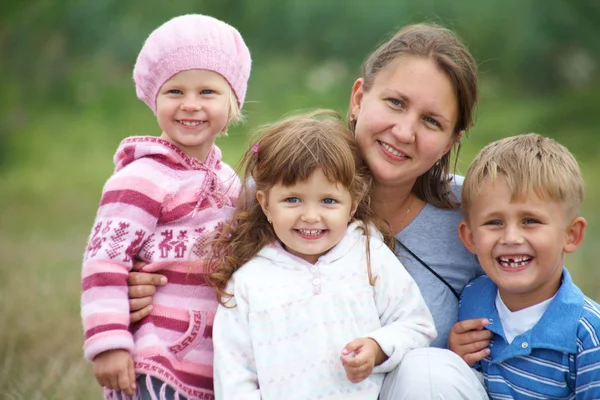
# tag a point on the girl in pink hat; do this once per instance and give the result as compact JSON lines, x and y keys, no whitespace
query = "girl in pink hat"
{"x":166,"y":196}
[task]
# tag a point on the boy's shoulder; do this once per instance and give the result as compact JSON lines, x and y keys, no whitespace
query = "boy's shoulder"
{"x":588,"y":327}
{"x":480,"y":286}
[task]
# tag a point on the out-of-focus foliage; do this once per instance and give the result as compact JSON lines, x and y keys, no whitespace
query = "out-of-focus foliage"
{"x":541,"y":46}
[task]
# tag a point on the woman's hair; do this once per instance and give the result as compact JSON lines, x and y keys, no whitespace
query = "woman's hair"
{"x":443,"y":47}
{"x":288,"y":152}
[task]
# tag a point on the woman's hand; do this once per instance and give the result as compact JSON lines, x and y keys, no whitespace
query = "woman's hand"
{"x":469,"y":340}
{"x":142,"y":286}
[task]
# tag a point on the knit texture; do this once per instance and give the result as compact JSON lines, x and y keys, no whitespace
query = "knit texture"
{"x":192,"y":42}
{"x":160,"y":206}
{"x":284,"y":337}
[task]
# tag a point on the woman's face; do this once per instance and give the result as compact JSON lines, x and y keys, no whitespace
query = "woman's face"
{"x":404,"y":122}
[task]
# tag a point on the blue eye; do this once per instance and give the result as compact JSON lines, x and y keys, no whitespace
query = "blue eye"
{"x":529,"y":221}
{"x":175,"y":91}
{"x":207,"y":91}
{"x":493,"y":222}
{"x":329,"y":200}
{"x":432,"y":121}
{"x":292,"y":200}
{"x":396,"y":103}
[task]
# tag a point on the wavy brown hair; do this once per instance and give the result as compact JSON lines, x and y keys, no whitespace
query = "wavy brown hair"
{"x":287,"y":152}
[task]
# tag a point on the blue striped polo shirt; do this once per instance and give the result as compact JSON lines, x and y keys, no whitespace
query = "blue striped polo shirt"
{"x":559,"y":358}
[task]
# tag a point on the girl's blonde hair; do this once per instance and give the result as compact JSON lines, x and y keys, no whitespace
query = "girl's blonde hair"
{"x":234,"y":114}
{"x":288,"y":152}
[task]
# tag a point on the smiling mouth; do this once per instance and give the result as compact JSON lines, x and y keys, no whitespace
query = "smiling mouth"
{"x":190,"y":123}
{"x":392,"y":150}
{"x":514,"y":261}
{"x":310,"y":232}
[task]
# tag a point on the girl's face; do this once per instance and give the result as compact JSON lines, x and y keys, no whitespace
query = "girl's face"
{"x":310,"y":217}
{"x":404,"y":122}
{"x":192,"y":108}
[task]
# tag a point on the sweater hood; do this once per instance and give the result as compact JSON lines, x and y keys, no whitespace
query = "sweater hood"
{"x":137,"y":147}
{"x":355,"y":231}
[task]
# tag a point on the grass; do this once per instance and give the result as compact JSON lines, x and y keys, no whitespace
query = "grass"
{"x":51,"y":188}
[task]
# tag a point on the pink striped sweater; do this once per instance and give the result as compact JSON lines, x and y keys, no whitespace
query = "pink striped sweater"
{"x":159,"y":206}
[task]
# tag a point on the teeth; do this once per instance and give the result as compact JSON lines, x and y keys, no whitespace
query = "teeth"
{"x":190,"y":123}
{"x":310,"y":232}
{"x":392,"y":150}
{"x":514,"y":262}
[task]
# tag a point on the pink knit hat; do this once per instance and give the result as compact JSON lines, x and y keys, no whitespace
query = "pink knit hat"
{"x":191,"y":42}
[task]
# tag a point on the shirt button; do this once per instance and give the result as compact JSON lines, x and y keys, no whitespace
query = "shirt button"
{"x":316,"y":281}
{"x":313,"y":269}
{"x":524,"y":345}
{"x":491,"y":320}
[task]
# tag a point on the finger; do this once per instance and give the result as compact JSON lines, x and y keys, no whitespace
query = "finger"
{"x":353,"y":346}
{"x":101,"y":381}
{"x":358,"y":375}
{"x":145,"y":278}
{"x":473,"y":337}
{"x":141,"y":291}
{"x":139,"y":315}
{"x":138,"y":304}
{"x":472,"y":358}
{"x":474,"y":347}
{"x":113,"y":382}
{"x":469,"y":325}
{"x":132,"y":376}
{"x":352,"y":362}
{"x":123,"y":381}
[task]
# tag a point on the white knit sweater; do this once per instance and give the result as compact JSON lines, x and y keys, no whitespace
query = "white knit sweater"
{"x":284,"y":338}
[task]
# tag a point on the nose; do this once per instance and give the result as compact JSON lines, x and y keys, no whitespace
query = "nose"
{"x":190,"y":104}
{"x":404,"y":129}
{"x":311,"y":214}
{"x":512,"y":235}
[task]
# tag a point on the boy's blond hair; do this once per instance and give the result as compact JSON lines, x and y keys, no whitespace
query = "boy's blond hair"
{"x":530,"y":163}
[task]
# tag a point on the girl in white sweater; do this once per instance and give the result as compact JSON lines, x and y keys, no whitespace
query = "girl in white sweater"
{"x":313,"y":302}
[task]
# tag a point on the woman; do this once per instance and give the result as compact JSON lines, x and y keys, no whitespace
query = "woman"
{"x":409,"y":109}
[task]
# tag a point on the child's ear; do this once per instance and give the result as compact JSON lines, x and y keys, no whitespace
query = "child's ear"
{"x":261,"y":196}
{"x":575,"y":233}
{"x":466,"y":236}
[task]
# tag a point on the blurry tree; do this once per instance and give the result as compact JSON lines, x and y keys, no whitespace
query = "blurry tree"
{"x":63,"y":50}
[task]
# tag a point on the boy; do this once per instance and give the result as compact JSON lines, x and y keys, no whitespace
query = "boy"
{"x":521,"y":199}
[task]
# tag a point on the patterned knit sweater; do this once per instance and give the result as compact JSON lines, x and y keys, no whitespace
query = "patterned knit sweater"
{"x":159,"y":206}
{"x":291,"y":320}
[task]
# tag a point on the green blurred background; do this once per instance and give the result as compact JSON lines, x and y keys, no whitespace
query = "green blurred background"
{"x":67,"y":99}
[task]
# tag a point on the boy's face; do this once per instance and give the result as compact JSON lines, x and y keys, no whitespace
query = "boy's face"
{"x":520,"y":244}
